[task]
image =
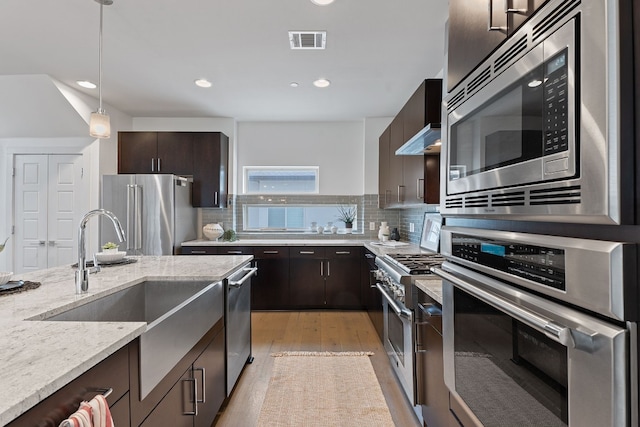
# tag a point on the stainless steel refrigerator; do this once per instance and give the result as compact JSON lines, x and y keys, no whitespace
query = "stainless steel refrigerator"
{"x":155,"y":211}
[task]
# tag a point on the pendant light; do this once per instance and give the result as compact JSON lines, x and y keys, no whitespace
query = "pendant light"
{"x":99,"y":124}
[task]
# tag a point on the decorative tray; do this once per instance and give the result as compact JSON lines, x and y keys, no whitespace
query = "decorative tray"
{"x":15,"y":286}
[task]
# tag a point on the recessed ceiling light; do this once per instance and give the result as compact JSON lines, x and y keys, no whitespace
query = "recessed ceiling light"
{"x":86,"y":84}
{"x":321,"y":83}
{"x":294,"y":84}
{"x":203,"y":83}
{"x":322,"y":2}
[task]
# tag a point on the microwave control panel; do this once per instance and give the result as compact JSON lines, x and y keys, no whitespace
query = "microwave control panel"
{"x":556,"y":104}
{"x":539,"y":264}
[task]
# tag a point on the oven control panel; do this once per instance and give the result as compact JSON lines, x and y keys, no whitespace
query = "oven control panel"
{"x":543,"y":265}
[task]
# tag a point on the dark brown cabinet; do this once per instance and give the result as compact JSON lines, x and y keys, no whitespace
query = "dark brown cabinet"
{"x":270,"y":286}
{"x":202,"y":155}
{"x":384,"y":180}
{"x":113,"y":372}
{"x":299,"y":277}
{"x":155,"y":152}
{"x":342,"y":278}
{"x":210,"y":169}
{"x":432,"y":393}
{"x":371,"y":298}
{"x":306,"y":276}
{"x":432,"y":178}
{"x":401,"y":179}
{"x":325,"y":277}
{"x":192,"y":393}
{"x":477,"y":28}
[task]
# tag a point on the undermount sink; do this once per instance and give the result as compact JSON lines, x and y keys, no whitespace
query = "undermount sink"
{"x":177,"y":312}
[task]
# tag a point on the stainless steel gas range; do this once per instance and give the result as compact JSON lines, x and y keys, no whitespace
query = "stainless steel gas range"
{"x":394,"y":278}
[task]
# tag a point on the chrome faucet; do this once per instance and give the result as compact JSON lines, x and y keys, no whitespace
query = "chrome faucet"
{"x":82,"y":273}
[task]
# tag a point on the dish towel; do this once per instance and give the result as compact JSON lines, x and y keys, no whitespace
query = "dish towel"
{"x":94,"y":413}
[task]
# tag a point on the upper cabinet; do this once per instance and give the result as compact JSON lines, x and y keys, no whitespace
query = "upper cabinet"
{"x":401,"y":179}
{"x":202,"y":155}
{"x":477,"y":28}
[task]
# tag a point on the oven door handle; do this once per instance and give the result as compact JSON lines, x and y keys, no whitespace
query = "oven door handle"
{"x":572,"y":338}
{"x":394,"y":305}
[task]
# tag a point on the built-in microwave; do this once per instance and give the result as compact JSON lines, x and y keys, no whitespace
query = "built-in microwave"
{"x":539,"y":131}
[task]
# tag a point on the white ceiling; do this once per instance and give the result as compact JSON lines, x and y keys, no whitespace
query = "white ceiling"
{"x":377,"y":53}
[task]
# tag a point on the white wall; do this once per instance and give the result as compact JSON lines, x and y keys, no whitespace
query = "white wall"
{"x":336,"y":147}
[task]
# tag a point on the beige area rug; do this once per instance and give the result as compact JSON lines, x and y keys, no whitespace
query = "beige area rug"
{"x":324,"y":389}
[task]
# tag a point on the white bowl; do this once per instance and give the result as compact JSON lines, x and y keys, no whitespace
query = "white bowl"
{"x":110,"y":256}
{"x":5,"y":277}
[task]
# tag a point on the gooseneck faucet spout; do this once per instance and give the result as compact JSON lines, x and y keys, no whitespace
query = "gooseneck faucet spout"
{"x":82,"y":273}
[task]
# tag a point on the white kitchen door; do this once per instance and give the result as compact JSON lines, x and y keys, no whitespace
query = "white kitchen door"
{"x":48,"y":191}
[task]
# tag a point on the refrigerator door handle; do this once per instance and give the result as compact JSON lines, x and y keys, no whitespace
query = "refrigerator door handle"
{"x":130,"y":195}
{"x":137,"y":197}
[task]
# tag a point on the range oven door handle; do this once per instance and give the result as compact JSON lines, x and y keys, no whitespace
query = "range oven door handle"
{"x":571,"y":338}
{"x":394,"y":305}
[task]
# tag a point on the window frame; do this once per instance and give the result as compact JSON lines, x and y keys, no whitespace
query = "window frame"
{"x":247,"y":169}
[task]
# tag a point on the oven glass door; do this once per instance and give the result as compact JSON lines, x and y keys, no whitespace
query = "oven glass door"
{"x":395,"y":334}
{"x":516,"y":358}
{"x":502,"y":363}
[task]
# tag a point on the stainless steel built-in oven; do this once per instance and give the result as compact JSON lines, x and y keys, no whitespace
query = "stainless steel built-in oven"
{"x":540,"y":131}
{"x":534,"y":330}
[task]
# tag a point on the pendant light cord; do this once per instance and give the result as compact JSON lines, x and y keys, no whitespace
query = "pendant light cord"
{"x":100,"y":110}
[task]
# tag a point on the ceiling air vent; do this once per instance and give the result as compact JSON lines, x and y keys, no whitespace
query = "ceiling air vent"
{"x":308,"y":39}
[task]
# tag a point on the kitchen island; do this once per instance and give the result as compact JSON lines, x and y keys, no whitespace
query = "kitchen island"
{"x":39,"y":357}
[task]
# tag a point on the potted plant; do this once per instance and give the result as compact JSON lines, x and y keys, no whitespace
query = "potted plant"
{"x":110,"y":247}
{"x":347,"y":214}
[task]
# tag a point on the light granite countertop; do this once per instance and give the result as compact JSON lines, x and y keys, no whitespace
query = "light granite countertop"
{"x":40,"y":357}
{"x":431,"y":287}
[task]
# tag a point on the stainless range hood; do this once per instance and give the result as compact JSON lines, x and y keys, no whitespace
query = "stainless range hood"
{"x":423,"y":142}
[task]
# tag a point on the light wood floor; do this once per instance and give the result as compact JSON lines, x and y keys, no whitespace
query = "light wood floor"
{"x":309,"y":331}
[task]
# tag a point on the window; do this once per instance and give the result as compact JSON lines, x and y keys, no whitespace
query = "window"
{"x":291,"y":218}
{"x":281,"y":179}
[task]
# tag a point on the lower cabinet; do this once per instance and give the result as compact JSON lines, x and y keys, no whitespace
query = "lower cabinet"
{"x":325,"y":277}
{"x":194,"y":400}
{"x":432,"y":393}
{"x":299,"y":277}
{"x":113,"y":372}
{"x":270,"y":287}
{"x":371,"y":298}
{"x":198,"y":376}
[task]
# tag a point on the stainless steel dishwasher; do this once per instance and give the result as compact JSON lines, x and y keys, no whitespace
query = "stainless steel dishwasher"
{"x":237,"y":316}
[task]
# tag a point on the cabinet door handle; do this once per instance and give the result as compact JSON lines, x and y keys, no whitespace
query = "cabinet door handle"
{"x":321,"y":268}
{"x":508,"y":9}
{"x":215,"y":197}
{"x":328,"y":268}
{"x":153,"y":164}
{"x":195,"y":397}
{"x":158,"y":164}
{"x":490,"y":26}
{"x":419,"y":195}
{"x":400,"y":190}
{"x":204,"y":386}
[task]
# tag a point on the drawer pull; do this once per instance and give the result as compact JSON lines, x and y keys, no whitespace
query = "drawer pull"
{"x":343,"y":253}
{"x":307,"y":252}
{"x":234,"y":252}
{"x":271,"y":252}
{"x":198,"y":252}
